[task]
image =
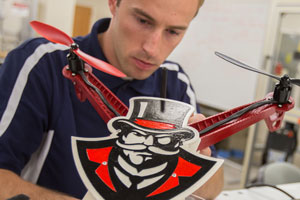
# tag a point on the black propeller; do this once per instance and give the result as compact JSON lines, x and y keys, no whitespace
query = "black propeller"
{"x":245,"y":66}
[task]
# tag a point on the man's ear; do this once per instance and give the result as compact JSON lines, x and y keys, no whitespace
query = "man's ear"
{"x":112,"y":6}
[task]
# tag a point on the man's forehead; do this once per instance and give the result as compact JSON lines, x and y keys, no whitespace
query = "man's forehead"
{"x":200,"y":3}
{"x":149,"y":17}
{"x":158,"y":10}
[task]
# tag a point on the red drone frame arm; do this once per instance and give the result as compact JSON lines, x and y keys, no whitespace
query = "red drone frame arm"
{"x":272,"y":113}
{"x":83,"y":92}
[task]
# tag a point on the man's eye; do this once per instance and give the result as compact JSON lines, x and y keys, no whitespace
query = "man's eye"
{"x":142,"y":21}
{"x":172,"y":32}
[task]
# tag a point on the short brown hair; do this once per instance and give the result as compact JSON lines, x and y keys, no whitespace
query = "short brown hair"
{"x":199,"y":4}
{"x":118,"y":2}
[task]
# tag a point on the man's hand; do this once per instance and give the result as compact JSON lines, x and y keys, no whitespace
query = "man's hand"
{"x":11,"y":185}
{"x":214,"y":185}
{"x":196,"y":118}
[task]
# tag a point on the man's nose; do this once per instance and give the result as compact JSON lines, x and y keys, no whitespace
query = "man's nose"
{"x":152,"y":43}
{"x":149,"y":140}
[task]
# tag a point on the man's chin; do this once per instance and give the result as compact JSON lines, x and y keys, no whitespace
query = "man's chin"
{"x":142,"y":76}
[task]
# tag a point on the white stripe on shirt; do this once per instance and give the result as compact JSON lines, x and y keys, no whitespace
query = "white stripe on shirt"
{"x":33,"y":168}
{"x":21,"y":81}
{"x":183,"y":77}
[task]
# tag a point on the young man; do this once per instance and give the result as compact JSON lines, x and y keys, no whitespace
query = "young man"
{"x":39,"y":110}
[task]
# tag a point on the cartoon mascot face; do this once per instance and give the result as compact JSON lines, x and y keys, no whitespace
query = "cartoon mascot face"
{"x":149,"y":155}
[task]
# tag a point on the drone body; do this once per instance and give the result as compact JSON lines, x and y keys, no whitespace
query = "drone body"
{"x":272,"y":113}
{"x":271,"y":109}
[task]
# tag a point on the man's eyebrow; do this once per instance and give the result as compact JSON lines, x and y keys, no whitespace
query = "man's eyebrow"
{"x":183,"y":28}
{"x":142,"y":13}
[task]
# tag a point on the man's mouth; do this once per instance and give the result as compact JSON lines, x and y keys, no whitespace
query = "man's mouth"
{"x":143,"y":65}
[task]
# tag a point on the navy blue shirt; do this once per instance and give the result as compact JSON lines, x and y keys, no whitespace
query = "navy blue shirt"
{"x":39,"y":110}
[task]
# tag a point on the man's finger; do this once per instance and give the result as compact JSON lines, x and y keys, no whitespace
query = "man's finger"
{"x":196,"y":118}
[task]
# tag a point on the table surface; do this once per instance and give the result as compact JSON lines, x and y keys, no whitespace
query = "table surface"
{"x":262,"y":193}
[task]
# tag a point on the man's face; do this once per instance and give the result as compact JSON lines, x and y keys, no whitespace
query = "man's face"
{"x":144,"y":33}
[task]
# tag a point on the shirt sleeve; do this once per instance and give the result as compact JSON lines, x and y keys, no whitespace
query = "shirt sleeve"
{"x":25,"y":106}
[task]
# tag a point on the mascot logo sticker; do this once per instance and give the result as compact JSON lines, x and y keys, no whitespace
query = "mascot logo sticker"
{"x":150,"y":154}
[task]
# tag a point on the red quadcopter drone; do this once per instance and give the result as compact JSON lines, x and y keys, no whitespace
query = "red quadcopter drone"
{"x":212,"y":129}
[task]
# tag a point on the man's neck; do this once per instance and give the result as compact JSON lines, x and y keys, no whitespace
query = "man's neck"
{"x":105,"y":42}
{"x":101,"y":41}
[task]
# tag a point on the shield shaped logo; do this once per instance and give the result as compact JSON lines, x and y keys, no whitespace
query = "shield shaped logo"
{"x":150,"y":154}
